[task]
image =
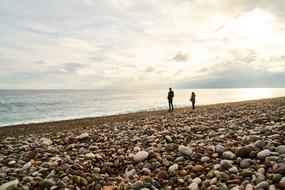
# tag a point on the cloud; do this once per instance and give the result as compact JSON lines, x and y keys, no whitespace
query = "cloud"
{"x":93,"y":44}
{"x":180,"y":57}
{"x":149,"y":69}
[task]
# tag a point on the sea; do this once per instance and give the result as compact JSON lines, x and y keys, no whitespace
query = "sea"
{"x":35,"y":106}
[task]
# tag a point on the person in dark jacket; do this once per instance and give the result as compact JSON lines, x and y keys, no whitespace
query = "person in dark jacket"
{"x":170,"y":99}
{"x":193,"y":99}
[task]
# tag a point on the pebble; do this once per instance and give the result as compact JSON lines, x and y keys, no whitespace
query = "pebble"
{"x":262,"y":185}
{"x":221,"y":149}
{"x":282,"y":183}
{"x":185,"y":150}
{"x":140,"y":156}
{"x":137,"y":185}
{"x":229,"y":155}
{"x":173,"y":168}
{"x":193,"y":186}
{"x":262,"y":154}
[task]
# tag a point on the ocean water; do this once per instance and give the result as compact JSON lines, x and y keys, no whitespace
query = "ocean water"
{"x":33,"y":106}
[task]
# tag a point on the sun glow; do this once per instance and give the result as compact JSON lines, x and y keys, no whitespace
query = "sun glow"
{"x":255,"y":27}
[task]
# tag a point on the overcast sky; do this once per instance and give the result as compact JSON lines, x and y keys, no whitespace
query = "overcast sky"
{"x":89,"y":44}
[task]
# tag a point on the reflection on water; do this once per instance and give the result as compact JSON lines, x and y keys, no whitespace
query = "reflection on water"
{"x":254,"y":93}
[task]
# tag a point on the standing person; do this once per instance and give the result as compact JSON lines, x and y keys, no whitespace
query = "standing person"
{"x":170,"y":99}
{"x":193,"y":99}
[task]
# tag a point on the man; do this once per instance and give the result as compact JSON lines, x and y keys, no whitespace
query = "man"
{"x":170,"y":99}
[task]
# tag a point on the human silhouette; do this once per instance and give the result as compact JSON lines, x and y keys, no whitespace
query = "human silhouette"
{"x":170,"y":99}
{"x":193,"y":99}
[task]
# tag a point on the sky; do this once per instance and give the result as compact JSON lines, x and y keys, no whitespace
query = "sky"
{"x":124,"y":44}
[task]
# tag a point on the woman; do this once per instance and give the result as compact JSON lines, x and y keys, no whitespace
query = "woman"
{"x":192,"y":99}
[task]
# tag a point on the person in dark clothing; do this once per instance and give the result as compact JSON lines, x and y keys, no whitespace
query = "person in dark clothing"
{"x":193,"y":99}
{"x":170,"y":99}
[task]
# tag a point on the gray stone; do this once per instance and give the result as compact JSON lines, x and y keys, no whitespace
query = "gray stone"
{"x":245,"y":163}
{"x":9,"y":185}
{"x":281,"y":149}
{"x":229,"y":155}
{"x":263,"y":154}
{"x":262,"y":185}
{"x":137,"y":185}
{"x":184,"y":150}
{"x":220,"y":149}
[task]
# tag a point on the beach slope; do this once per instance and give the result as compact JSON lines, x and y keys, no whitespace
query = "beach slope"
{"x":237,"y":145}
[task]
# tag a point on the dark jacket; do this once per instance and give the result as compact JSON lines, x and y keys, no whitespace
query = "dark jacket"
{"x":170,"y":95}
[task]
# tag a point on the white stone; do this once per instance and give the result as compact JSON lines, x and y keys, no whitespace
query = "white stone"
{"x":140,"y":156}
{"x":45,"y":141}
{"x":193,"y":186}
{"x":82,"y":136}
{"x":197,"y":180}
{"x":248,"y":187}
{"x":12,"y":162}
{"x":173,"y":167}
{"x":185,"y":150}
{"x":9,"y":185}
{"x":205,"y":159}
{"x":213,"y":181}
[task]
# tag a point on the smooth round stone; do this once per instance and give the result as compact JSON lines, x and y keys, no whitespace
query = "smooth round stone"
{"x":276,"y":178}
{"x":281,"y":149}
{"x":259,"y":143}
{"x":193,"y":186}
{"x":249,"y":187}
{"x":262,"y":154}
{"x":146,"y":171}
{"x":168,"y":138}
{"x":140,"y":156}
{"x":13,"y":162}
{"x":45,"y":141}
{"x":226,"y":164}
{"x":90,"y":155}
{"x":185,"y":150}
{"x":262,"y":185}
{"x":197,"y":180}
{"x":173,"y":167}
{"x":27,"y":166}
{"x":272,"y":187}
{"x":205,"y":159}
{"x":213,"y":181}
{"x":243,"y":152}
{"x":282,"y":183}
{"x":245,"y":163}
{"x":96,"y":170}
{"x":233,"y":170}
{"x":197,"y":168}
{"x":137,"y":185}
{"x":229,"y":155}
{"x":220,"y":149}
{"x":179,"y":159}
{"x":82,"y":136}
{"x":10,"y":185}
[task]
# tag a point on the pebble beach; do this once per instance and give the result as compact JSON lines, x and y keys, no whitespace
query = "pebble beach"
{"x":231,"y":146}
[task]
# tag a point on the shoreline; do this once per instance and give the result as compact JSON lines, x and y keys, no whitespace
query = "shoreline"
{"x":50,"y":126}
